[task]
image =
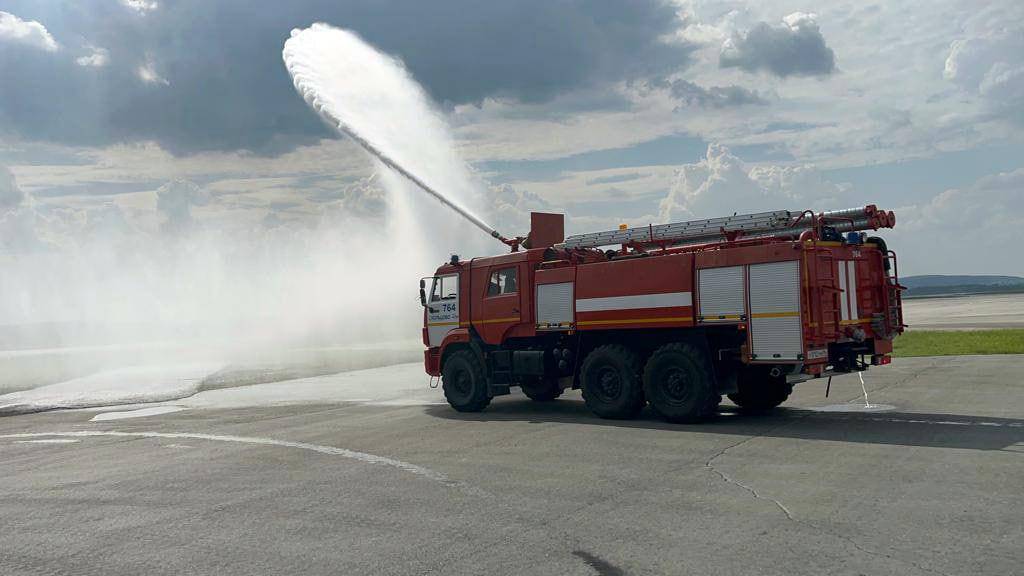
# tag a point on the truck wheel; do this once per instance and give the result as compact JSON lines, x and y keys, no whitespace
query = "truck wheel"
{"x":758,"y":391}
{"x":542,"y":389}
{"x":611,"y":382}
{"x":464,"y":384}
{"x":679,"y":384}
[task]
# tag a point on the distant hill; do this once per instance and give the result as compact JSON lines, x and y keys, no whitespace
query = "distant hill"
{"x":928,"y":281}
{"x":947,"y":285}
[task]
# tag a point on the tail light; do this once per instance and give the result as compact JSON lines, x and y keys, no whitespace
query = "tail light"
{"x":881,"y":359}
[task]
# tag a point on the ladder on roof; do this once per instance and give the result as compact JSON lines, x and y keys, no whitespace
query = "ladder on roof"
{"x":684,"y":232}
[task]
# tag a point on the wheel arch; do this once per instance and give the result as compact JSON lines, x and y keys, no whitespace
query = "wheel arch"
{"x":460,"y":339}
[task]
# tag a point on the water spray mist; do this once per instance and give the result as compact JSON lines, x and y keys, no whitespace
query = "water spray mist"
{"x":324,"y":82}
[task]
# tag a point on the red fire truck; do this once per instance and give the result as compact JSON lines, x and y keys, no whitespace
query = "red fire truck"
{"x":674,"y":315}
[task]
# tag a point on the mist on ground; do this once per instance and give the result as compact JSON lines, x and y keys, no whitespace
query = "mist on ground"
{"x":261,"y":299}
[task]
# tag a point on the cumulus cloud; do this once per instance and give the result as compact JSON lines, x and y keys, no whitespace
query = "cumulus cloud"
{"x":104,"y":221}
{"x":18,"y":232}
{"x":364,"y":197}
{"x":148,"y":74}
{"x":10,"y":195}
{"x":983,"y":218}
{"x":174,"y":202}
{"x":986,"y":61}
{"x":721,"y":184}
{"x":795,"y":47}
{"x":29,"y":32}
{"x":692,"y":95}
{"x":141,"y":6}
{"x":96,"y":58}
{"x":17,"y":217}
{"x":510,"y":208}
{"x":993,"y":203}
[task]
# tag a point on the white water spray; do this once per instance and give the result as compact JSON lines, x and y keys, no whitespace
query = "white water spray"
{"x":371,"y":98}
{"x":225,"y":286}
{"x":865,"y":390}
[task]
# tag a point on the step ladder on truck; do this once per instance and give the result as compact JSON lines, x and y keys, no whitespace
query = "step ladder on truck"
{"x":672,"y":315}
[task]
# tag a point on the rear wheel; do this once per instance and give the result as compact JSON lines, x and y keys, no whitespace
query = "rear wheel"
{"x":758,"y":390}
{"x":611,"y":382}
{"x":541,"y":389}
{"x":679,"y":384}
{"x":463,"y":381}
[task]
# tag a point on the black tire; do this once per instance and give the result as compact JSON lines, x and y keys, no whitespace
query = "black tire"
{"x":541,"y":389}
{"x":680,"y":385}
{"x":611,"y":384}
{"x":758,"y":390}
{"x":463,"y":382}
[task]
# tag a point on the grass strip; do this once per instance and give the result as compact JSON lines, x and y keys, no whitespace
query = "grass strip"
{"x":958,"y":342}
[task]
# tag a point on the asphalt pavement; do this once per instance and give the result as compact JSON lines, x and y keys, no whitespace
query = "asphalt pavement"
{"x":934,"y":485}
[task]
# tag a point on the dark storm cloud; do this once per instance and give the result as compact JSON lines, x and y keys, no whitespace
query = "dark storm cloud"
{"x":690,"y":94}
{"x":792,"y":48}
{"x":227,"y":89}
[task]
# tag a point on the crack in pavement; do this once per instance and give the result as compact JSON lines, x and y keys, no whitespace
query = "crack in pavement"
{"x":709,"y":464}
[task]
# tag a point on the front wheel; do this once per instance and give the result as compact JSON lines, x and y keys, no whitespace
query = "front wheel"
{"x":463,"y":382}
{"x":679,"y":384}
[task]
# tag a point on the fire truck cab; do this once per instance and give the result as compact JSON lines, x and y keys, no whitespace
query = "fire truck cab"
{"x":675,"y":315}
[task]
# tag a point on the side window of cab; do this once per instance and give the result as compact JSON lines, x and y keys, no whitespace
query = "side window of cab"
{"x":503,"y":281}
{"x":445,"y":288}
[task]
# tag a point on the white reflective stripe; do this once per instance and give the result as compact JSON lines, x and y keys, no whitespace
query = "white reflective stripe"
{"x":851,"y":277}
{"x":633,"y":302}
{"x":843,"y":304}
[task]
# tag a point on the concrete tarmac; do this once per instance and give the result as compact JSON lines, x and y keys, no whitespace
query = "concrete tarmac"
{"x":934,"y":486}
{"x":974,"y":312}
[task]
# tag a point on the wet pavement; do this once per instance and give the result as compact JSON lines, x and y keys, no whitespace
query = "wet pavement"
{"x":931,"y":486}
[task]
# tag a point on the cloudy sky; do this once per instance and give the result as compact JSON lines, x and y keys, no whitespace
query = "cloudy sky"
{"x":146,"y":115}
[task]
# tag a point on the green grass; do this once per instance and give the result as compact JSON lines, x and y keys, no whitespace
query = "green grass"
{"x":954,"y":342}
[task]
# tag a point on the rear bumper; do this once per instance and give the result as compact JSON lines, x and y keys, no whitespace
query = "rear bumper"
{"x":846,"y":358}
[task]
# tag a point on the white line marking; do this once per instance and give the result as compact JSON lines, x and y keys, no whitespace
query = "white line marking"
{"x":937,"y":422}
{"x":47,"y":441}
{"x":667,"y":300}
{"x":142,"y":412}
{"x":331,"y":450}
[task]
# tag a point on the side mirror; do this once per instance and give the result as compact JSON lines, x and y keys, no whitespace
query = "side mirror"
{"x":423,"y":297}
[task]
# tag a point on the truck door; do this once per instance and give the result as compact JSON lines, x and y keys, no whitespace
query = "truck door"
{"x":776,"y":332}
{"x":443,"y":308}
{"x":501,"y":305}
